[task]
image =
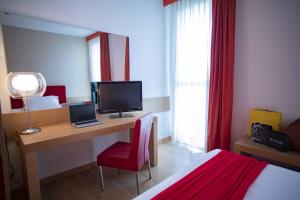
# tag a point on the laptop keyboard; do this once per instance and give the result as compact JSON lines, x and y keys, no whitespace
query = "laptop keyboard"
{"x":85,"y":122}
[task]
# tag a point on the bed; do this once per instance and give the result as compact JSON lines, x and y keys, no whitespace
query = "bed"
{"x":54,"y":92}
{"x":272,"y":183}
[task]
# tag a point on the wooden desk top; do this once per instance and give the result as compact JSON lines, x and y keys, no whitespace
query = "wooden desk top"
{"x":63,"y":132}
{"x":246,"y":145}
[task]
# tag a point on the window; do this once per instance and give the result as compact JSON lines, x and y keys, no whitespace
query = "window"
{"x":188,"y":51}
{"x":94,"y":59}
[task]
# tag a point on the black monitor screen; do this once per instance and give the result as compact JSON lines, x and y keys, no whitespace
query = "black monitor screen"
{"x":82,"y":112}
{"x":120,"y":96}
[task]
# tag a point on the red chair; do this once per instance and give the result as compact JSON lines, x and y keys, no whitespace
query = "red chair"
{"x":129,"y":156}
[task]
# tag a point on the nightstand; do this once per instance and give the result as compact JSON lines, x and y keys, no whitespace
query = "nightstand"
{"x":288,"y":159}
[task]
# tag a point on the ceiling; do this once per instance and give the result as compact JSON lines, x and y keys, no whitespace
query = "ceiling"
{"x":43,"y":25}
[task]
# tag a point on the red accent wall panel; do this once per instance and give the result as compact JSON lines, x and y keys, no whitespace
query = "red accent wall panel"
{"x":167,"y":2}
{"x":16,"y":103}
{"x":57,"y":90}
{"x":94,"y":35}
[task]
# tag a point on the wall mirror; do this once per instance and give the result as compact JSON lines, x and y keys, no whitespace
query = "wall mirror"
{"x":68,"y":57}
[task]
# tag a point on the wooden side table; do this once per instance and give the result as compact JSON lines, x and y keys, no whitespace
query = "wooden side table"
{"x":289,"y":159}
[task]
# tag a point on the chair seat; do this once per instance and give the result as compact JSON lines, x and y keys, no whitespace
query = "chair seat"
{"x":117,"y":156}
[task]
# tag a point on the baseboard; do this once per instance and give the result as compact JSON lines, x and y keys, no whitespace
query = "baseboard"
{"x":68,"y":173}
{"x":165,"y":139}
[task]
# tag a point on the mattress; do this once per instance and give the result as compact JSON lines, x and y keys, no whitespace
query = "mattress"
{"x":273,"y":182}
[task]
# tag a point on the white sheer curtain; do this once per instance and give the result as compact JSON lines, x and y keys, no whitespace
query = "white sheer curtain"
{"x":94,"y":59}
{"x":188,"y":39}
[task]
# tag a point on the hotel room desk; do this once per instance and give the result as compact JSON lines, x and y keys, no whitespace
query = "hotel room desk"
{"x":53,"y":135}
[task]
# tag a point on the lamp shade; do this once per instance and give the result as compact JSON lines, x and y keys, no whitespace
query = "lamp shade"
{"x":25,"y":84}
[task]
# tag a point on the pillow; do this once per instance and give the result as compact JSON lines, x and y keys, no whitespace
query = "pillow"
{"x":40,"y":103}
{"x":293,"y":130}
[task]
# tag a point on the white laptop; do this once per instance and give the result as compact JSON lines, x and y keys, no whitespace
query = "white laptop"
{"x":83,"y":115}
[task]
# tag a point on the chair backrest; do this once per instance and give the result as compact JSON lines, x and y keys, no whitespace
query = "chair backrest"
{"x":140,"y":140}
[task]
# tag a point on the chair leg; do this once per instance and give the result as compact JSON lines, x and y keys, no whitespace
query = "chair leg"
{"x":149,"y":169}
{"x":101,"y":177}
{"x":119,"y":171}
{"x":137,"y":182}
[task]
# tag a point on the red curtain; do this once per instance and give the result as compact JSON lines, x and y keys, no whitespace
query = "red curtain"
{"x":167,"y":2}
{"x":105,"y":57}
{"x":94,"y":35}
{"x":127,"y":71}
{"x":221,"y":74}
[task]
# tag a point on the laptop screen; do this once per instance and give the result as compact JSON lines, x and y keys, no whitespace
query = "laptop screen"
{"x":82,"y":112}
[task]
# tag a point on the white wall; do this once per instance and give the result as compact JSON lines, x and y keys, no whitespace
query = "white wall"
{"x":267,"y":60}
{"x":4,"y":98}
{"x":141,"y":20}
{"x":62,"y":59}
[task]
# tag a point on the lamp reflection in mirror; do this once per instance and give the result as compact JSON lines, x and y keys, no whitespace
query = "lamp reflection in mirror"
{"x":26,"y":85}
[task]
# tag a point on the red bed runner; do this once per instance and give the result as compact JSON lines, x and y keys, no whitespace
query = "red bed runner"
{"x":225,"y":176}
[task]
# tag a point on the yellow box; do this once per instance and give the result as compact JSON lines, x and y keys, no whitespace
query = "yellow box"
{"x":264,"y":116}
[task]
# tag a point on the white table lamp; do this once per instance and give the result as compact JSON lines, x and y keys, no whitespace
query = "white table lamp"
{"x":25,"y":85}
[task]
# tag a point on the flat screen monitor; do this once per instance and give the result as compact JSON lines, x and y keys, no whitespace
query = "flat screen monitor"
{"x":119,"y":97}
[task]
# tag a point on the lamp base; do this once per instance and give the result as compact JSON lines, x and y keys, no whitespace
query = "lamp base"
{"x":29,"y":131}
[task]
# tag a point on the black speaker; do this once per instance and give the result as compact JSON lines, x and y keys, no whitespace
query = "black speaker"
{"x":259,"y":132}
{"x":264,"y":134}
{"x":277,"y":140}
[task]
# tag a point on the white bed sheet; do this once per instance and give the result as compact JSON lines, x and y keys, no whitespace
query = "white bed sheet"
{"x":274,"y":182}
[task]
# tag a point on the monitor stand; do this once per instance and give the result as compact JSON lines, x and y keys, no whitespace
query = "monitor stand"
{"x":120,"y":115}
